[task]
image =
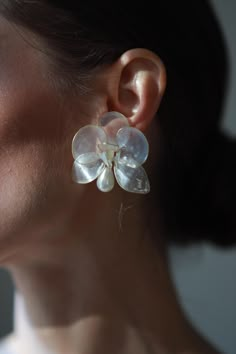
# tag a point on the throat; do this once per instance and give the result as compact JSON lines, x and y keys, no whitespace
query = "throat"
{"x":109,"y":294}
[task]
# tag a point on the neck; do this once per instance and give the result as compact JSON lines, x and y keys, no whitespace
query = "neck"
{"x":109,"y":293}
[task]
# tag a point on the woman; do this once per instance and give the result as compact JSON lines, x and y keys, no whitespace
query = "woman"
{"x":90,"y":268}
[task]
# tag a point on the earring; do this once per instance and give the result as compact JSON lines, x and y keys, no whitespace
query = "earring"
{"x":111,"y":146}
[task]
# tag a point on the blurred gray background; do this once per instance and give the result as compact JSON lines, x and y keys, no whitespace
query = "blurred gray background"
{"x":205,"y":276}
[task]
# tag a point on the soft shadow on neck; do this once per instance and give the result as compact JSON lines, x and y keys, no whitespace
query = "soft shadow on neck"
{"x":104,"y":284}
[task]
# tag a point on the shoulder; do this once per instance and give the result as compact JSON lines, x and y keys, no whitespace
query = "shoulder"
{"x":6,"y":345}
{"x":4,"y":349}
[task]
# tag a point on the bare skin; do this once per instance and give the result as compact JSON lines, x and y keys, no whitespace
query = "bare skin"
{"x":88,"y":274}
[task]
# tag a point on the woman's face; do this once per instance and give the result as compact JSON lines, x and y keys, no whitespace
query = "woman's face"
{"x":34,"y":156}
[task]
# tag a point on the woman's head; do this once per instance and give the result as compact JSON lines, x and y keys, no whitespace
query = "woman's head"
{"x":64,"y":63}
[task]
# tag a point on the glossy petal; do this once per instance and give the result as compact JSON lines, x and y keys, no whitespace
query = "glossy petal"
{"x":111,"y":123}
{"x":134,"y":147}
{"x":88,"y":158}
{"x":82,"y":173}
{"x":106,"y":180}
{"x":87,"y":140}
{"x":133,"y":180}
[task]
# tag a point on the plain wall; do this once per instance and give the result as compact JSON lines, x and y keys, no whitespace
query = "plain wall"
{"x":204,"y":276}
{"x":6,"y":303}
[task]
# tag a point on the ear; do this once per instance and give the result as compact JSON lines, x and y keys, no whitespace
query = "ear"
{"x":137,"y":82}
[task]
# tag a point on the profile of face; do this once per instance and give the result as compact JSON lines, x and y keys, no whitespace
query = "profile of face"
{"x":35,"y":175}
{"x":37,"y":125}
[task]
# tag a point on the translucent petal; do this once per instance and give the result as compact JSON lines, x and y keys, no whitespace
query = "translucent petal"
{"x":132,"y":179}
{"x":134,"y":147}
{"x":87,"y":140}
{"x":88,"y":158}
{"x":111,"y":122}
{"x":87,"y":173}
{"x":106,"y":181}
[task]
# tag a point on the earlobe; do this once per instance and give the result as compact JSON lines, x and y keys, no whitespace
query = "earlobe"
{"x":140,"y":87}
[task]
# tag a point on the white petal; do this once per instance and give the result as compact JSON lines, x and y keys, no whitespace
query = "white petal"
{"x":87,"y":140}
{"x":88,"y":158}
{"x":133,"y":180}
{"x":111,"y":122}
{"x":134,"y":146}
{"x":106,"y":181}
{"x":86,"y":173}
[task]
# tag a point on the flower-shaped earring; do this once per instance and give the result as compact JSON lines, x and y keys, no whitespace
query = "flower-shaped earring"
{"x":111,"y":145}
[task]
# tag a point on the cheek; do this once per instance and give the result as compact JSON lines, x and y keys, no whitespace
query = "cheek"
{"x":27,"y":200}
{"x":35,"y":161}
{"x":31,"y":154}
{"x":20,"y":182}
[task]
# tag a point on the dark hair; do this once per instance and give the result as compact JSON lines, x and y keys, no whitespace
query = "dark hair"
{"x":196,"y":172}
